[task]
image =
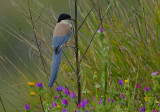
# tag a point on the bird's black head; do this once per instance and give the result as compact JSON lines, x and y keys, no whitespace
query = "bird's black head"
{"x":64,"y":17}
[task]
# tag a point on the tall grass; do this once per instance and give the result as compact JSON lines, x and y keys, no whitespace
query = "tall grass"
{"x":130,"y":30}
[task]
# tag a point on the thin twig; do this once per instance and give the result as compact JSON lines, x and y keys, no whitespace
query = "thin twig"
{"x":39,"y":15}
{"x":69,"y":61}
{"x":41,"y":103}
{"x":2,"y":105}
{"x":87,"y":15}
{"x":37,"y":43}
{"x":94,"y":34}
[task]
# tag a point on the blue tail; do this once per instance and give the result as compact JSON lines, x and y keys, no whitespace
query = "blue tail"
{"x":56,"y":60}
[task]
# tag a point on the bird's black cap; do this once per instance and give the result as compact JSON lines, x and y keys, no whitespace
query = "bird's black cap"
{"x":63,"y":17}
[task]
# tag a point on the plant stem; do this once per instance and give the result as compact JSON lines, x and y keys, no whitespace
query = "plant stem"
{"x":77,"y":57}
{"x":3,"y":105}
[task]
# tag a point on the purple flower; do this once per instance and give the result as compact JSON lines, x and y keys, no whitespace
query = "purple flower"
{"x":73,"y":95}
{"x":65,"y":101}
{"x":108,"y":100}
{"x":154,"y":73}
{"x":155,"y":110}
{"x":79,"y":105}
{"x":100,"y":30}
{"x":100,"y":101}
{"x":112,"y":101}
{"x":122,"y":96}
{"x":60,"y":88}
{"x":94,"y":98}
{"x":137,"y":86}
{"x":27,"y":107}
{"x":84,"y":103}
{"x":64,"y":110}
{"x":39,"y":85}
{"x":159,"y":103}
{"x":54,"y":104}
{"x":120,"y":82}
{"x":86,"y":111}
{"x":66,"y":91}
{"x":145,"y":89}
{"x":142,"y":109}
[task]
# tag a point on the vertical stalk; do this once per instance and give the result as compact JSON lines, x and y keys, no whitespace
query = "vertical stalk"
{"x":77,"y":57}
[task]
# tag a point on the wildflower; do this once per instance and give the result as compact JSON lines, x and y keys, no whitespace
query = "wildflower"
{"x":94,"y":98}
{"x":58,"y":106}
{"x":108,"y":100}
{"x":54,"y":104}
{"x":64,"y":110}
{"x":122,"y":96}
{"x":84,"y":103}
{"x":86,"y":111}
{"x":159,"y":103}
{"x":79,"y":105}
{"x":73,"y":95}
{"x":100,"y":30}
{"x":120,"y":82}
{"x":66,"y":91}
{"x":137,"y":86}
{"x":155,"y":110}
{"x":100,"y":101}
{"x":145,"y":99}
{"x":122,"y":104}
{"x":27,"y":107}
{"x":60,"y":88}
{"x":112,"y":101}
{"x":126,"y":81}
{"x":32,"y":93}
{"x":145,"y":89}
{"x":39,"y":85}
{"x":142,"y":109}
{"x":154,"y":73}
{"x":65,"y":101}
{"x":31,"y":83}
{"x":55,"y":97}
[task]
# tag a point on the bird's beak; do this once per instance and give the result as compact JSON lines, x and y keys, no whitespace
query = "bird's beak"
{"x":71,"y":19}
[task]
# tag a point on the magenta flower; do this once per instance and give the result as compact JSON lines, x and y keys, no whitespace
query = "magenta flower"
{"x":65,"y":101}
{"x":155,"y":110}
{"x":146,"y":89}
{"x":100,"y":101}
{"x":120,"y":82}
{"x":100,"y":30}
{"x":137,"y":86}
{"x":64,"y":110}
{"x":84,"y":103}
{"x":73,"y":95}
{"x":55,"y":97}
{"x":54,"y":104}
{"x":122,"y":104}
{"x":122,"y":96}
{"x":108,"y":100}
{"x":39,"y":85}
{"x":154,"y":73}
{"x":27,"y":107}
{"x":60,"y":88}
{"x":92,"y":108}
{"x":143,"y":109}
{"x":66,"y":91}
{"x":79,"y":105}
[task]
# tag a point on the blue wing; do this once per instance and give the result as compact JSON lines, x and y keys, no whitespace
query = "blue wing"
{"x":58,"y":42}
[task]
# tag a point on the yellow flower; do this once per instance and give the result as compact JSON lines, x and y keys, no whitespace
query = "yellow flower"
{"x":126,"y":81}
{"x":156,"y":101}
{"x":58,"y":106}
{"x":32,"y":93}
{"x":146,"y":98}
{"x":31,"y":83}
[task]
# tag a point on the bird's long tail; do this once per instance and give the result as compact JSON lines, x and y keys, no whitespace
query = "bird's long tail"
{"x":56,"y":60}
